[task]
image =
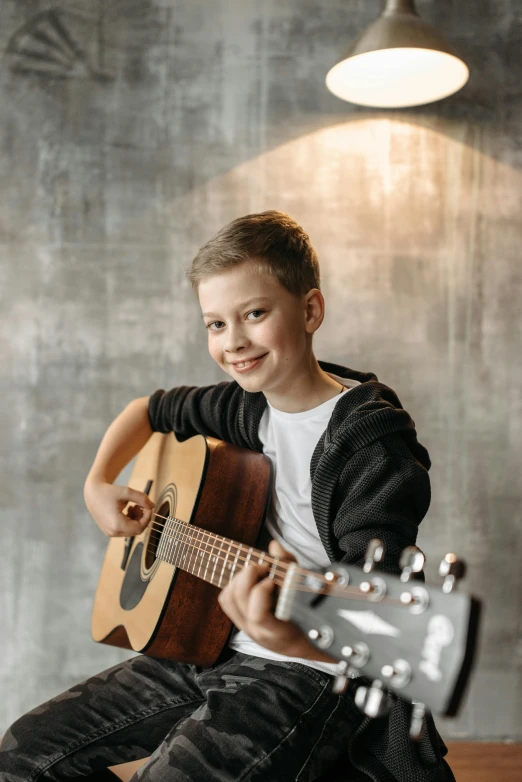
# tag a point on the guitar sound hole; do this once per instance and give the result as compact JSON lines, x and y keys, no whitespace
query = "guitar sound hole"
{"x":155,"y":534}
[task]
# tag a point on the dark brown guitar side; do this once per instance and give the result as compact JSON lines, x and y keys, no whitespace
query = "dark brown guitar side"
{"x":146,"y":603}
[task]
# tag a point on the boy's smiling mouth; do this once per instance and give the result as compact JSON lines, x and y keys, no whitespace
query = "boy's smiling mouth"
{"x":247,"y":363}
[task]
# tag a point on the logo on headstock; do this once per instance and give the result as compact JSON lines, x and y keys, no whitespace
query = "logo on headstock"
{"x":440,"y":634}
{"x":368,"y":622}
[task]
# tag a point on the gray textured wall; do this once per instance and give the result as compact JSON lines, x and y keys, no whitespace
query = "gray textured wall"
{"x":125,"y":143}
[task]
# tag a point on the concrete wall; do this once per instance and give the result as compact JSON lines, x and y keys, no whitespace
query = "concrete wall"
{"x":125,"y":145}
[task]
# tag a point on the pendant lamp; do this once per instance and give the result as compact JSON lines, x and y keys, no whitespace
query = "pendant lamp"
{"x":398,"y":61}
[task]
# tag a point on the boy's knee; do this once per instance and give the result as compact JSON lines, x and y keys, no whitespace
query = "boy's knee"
{"x":14,"y":736}
{"x":21,"y":751}
{"x":13,"y":747}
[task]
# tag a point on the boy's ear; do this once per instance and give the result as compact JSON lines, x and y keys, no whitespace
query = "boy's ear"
{"x":314,"y":309}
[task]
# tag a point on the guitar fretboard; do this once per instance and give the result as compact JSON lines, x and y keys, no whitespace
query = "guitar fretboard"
{"x":210,"y":557}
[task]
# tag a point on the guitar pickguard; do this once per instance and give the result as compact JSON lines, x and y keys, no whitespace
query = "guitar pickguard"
{"x":133,"y":587}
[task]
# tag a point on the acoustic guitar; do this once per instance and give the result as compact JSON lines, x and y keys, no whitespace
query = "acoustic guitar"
{"x":157,"y":591}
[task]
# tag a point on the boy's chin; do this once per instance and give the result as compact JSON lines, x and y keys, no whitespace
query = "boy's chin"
{"x":252,"y":386}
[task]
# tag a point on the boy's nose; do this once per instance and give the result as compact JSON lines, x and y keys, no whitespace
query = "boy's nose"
{"x":236,"y":343}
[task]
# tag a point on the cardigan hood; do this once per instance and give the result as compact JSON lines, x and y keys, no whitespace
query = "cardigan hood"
{"x":365,"y":414}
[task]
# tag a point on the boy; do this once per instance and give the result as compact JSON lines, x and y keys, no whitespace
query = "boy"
{"x":348,"y":468}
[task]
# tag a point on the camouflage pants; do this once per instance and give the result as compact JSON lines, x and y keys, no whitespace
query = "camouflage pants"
{"x":245,"y":718}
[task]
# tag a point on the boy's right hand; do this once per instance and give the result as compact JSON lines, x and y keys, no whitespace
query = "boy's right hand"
{"x":105,"y":502}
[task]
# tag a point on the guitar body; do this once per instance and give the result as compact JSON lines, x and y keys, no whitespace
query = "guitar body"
{"x":147,"y":604}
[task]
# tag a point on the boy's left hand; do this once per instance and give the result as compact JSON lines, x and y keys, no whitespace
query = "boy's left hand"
{"x":249,"y":601}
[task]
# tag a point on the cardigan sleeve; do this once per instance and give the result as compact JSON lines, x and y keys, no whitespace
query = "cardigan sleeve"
{"x":191,"y":410}
{"x":384,"y":492}
{"x":384,"y":497}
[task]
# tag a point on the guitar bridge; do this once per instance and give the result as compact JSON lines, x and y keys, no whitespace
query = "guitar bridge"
{"x":126,"y":552}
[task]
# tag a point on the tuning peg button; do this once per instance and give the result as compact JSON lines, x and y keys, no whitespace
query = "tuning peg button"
{"x":374,"y":701}
{"x":344,"y":672}
{"x":417,"y":599}
{"x":374,"y":553}
{"x":452,"y":569}
{"x":418,"y":715}
{"x":398,"y":674}
{"x":323,"y":638}
{"x":339,"y":577}
{"x":412,"y":561}
{"x":375,"y":588}
{"x":357,"y":655}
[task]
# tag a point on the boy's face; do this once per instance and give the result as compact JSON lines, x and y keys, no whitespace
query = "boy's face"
{"x":248,"y":314}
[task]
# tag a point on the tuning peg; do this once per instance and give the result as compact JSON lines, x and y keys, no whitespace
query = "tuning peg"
{"x":323,"y":637}
{"x":357,"y":655}
{"x":340,"y":576}
{"x":397,"y":674}
{"x":340,"y":681}
{"x":412,"y":561}
{"x":345,"y":671}
{"x":418,"y":715}
{"x":452,"y":569}
{"x":374,"y":701}
{"x":374,"y":553}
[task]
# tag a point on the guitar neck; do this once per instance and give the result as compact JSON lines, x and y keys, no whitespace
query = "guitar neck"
{"x":210,"y":557}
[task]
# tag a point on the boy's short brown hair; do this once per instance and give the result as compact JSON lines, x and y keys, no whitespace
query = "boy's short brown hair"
{"x":272,"y":240}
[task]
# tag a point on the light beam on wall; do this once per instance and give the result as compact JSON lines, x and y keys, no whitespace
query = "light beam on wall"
{"x":398,"y":61}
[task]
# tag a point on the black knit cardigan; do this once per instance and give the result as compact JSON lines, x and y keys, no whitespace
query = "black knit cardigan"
{"x":369,"y":479}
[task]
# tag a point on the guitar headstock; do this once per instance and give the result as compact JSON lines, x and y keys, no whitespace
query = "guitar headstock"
{"x":412,"y":639}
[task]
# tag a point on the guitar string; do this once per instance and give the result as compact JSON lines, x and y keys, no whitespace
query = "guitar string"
{"x":298,"y":572}
{"x":238,"y":546}
{"x":188,"y":542}
{"x":233,"y":546}
{"x":334,"y":589}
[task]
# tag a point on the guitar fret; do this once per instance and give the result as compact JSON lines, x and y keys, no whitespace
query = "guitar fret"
{"x":172,"y":538}
{"x":185,"y":538}
{"x":169,"y":544}
{"x":179,"y":550}
{"x":187,"y":542}
{"x":184,"y":566}
{"x":174,"y":543}
{"x":200,"y":552}
{"x":207,"y":562}
{"x":194,"y":549}
{"x":165,"y":534}
{"x":162,"y":545}
{"x":221,"y":541}
{"x":227,"y":563}
{"x":234,"y":565}
{"x":214,"y":568}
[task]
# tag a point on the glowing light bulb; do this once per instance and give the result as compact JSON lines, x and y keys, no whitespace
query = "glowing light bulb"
{"x":398,"y":61}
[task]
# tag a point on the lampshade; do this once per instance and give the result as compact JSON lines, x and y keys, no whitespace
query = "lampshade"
{"x":398,"y":61}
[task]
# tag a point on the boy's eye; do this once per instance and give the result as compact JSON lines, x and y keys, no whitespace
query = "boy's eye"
{"x":214,"y":322}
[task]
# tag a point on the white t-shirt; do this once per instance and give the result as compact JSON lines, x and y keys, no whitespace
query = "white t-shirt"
{"x":289,"y":440}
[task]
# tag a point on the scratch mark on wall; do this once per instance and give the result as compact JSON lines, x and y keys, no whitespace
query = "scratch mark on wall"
{"x":59,"y":44}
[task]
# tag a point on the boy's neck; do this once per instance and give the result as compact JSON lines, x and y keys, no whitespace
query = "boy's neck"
{"x":306,"y":390}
